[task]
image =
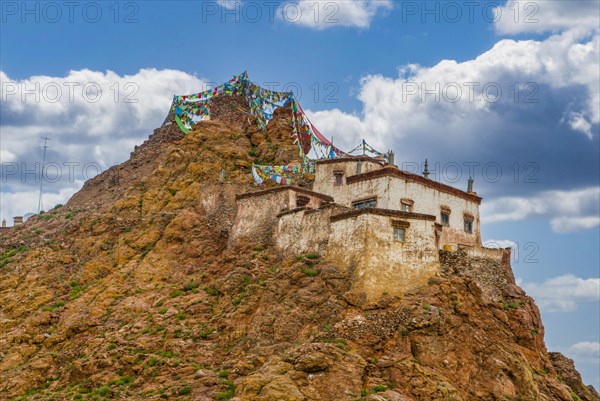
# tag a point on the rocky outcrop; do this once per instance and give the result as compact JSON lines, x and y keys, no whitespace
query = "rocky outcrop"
{"x":130,"y":292}
{"x":566,"y":372}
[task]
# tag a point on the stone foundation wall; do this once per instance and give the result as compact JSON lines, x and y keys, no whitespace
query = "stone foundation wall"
{"x":305,"y":230}
{"x":493,"y":275}
{"x":364,"y":246}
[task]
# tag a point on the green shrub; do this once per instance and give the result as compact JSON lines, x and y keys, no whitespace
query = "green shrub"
{"x":103,"y":391}
{"x":379,"y":388}
{"x":224,"y":374}
{"x":205,"y":333}
{"x":191,"y":286}
{"x":229,"y":393}
{"x":312,"y":255}
{"x":259,"y":248}
{"x":162,"y":311}
{"x":309,"y":271}
{"x":212,"y":291}
{"x":153,"y":361}
{"x":185,"y":390}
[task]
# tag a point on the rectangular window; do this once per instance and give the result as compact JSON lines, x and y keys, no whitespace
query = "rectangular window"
{"x":469,"y":226}
{"x":302,"y":200}
{"x":365,"y":204}
{"x":338,"y":179}
{"x":445,"y":219}
{"x":399,"y":234}
{"x":406,"y":205}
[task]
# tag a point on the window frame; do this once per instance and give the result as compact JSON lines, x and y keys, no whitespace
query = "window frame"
{"x":408,"y":204}
{"x":367,"y":201}
{"x":338,"y":178}
{"x":398,"y":225}
{"x":397,"y":229}
{"x":302,"y":200}
{"x":447,"y":222}
{"x":469,"y":221}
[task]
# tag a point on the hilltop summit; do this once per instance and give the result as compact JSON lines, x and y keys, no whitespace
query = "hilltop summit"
{"x":146,"y":285}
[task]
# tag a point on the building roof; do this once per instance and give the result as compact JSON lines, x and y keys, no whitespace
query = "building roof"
{"x":392,"y":171}
{"x":382,"y":212}
{"x":304,"y":191}
{"x":351,"y":159}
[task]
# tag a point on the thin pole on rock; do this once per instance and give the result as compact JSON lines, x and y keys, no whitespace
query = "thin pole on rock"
{"x":46,"y":139}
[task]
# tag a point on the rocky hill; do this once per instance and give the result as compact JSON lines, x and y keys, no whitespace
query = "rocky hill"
{"x":131,"y":292}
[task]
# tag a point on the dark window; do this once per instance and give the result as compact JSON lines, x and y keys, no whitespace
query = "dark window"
{"x":302,"y":201}
{"x":446,"y":219}
{"x":339,"y":179}
{"x":365,"y":204}
{"x":469,"y":226}
{"x":399,"y":234}
{"x":406,"y":207}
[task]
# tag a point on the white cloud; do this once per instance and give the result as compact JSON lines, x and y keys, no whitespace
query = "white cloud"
{"x":460,"y":97}
{"x":561,"y":294}
{"x":100,"y":124}
{"x":578,"y":122}
{"x":7,"y":156}
{"x":568,"y":210}
{"x":499,"y":243}
{"x":324,"y":14}
{"x":518,"y":16}
{"x":571,"y":224}
{"x":585,"y":352}
{"x":229,"y":4}
{"x":19,"y":203}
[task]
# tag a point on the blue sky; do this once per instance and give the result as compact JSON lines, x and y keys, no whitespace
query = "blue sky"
{"x":362,"y":68}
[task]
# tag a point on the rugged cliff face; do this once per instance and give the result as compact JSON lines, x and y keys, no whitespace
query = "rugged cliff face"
{"x":131,"y":292}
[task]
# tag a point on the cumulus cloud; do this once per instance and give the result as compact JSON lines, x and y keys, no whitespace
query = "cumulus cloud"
{"x":561,"y":294}
{"x":499,"y":243}
{"x":568,"y":210}
{"x":20,"y":203}
{"x":94,"y":120}
{"x":546,"y":15}
{"x":578,"y":122}
{"x":325,"y":14}
{"x":229,"y":4}
{"x":464,"y":97}
{"x":584,"y":352}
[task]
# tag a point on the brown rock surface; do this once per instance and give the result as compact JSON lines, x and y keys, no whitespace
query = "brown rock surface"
{"x":129,"y":292}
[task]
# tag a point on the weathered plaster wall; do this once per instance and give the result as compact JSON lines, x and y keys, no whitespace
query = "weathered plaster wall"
{"x":500,"y":255}
{"x":389,"y":192}
{"x":365,"y":245}
{"x":256,"y":216}
{"x":307,"y":230}
{"x":324,"y":174}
